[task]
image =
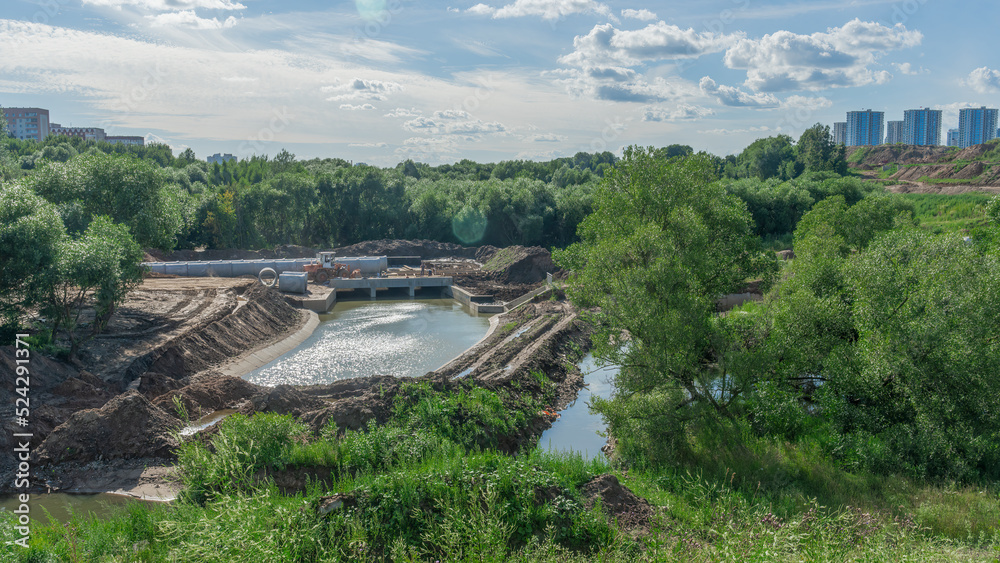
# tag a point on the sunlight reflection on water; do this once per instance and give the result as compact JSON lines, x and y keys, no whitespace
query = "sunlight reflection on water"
{"x":362,"y":338}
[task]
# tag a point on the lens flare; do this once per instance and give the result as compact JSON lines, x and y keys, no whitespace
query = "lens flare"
{"x":371,"y":10}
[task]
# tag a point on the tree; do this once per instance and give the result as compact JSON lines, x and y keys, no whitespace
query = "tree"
{"x":663,"y":243}
{"x":100,"y":268}
{"x":817,"y":152}
{"x":30,"y":234}
{"x":187,"y":157}
{"x":128,"y":190}
{"x":767,"y":158}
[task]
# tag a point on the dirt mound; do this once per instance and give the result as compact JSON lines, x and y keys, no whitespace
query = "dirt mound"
{"x":285,"y":399}
{"x":128,"y":426}
{"x":903,"y":154}
{"x":520,"y":265}
{"x":209,"y":394}
{"x":619,"y":502}
{"x":265,"y":317}
{"x":284,"y":251}
{"x":426,"y":249}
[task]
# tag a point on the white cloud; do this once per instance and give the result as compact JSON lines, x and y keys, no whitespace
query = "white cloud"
{"x":403,"y":112}
{"x":454,"y":122}
{"x":607,"y":46}
{"x":482,"y":10}
{"x":643,"y":14}
{"x":907,"y":68}
{"x":731,"y":96}
{"x":361,"y":89}
{"x":378,"y":145}
{"x":984,"y":80}
{"x":546,"y":138}
{"x":167,"y":5}
{"x":547,"y":9}
{"x":806,"y":102}
{"x":680,"y":112}
{"x":351,"y":107}
{"x":761,"y":129}
{"x":839,"y":57}
{"x":189,"y":19}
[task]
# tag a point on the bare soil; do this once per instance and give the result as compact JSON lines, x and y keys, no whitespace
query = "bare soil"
{"x":630,"y":511}
{"x":112,"y":413}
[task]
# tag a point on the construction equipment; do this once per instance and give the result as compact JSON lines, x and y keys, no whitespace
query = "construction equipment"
{"x":326,"y":267}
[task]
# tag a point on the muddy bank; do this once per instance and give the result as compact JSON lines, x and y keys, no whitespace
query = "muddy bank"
{"x":162,"y":339}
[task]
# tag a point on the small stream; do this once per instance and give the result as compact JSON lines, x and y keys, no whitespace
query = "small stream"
{"x":405,"y":338}
{"x":206,"y":421}
{"x":576,"y":428}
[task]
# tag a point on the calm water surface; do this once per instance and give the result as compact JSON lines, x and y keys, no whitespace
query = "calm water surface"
{"x":63,"y":506}
{"x":361,"y":338}
{"x":576,"y":429}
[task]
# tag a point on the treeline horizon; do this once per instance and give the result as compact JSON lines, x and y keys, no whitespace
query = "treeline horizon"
{"x":262,"y":202}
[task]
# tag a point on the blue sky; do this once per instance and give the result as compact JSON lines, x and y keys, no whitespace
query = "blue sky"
{"x":380,"y":81}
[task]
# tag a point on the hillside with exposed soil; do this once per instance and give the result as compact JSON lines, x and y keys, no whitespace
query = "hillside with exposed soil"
{"x":919,"y":169}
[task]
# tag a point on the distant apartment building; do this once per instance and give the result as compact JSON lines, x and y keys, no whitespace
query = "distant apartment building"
{"x":893,"y":132}
{"x":840,"y":133}
{"x":220,"y":158}
{"x":922,"y":127}
{"x":976,"y":126}
{"x":85,"y":133}
{"x":27,"y":123}
{"x":953,"y":137}
{"x":126,"y":140}
{"x":865,"y":128}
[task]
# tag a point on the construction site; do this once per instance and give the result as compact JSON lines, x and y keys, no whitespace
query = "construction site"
{"x":200,"y":322}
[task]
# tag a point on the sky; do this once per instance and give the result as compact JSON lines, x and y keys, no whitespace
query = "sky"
{"x":382,"y":81}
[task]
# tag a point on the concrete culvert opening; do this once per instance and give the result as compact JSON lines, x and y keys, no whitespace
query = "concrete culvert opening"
{"x":268,"y":277}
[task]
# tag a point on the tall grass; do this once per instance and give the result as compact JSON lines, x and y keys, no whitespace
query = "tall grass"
{"x":949,"y":213}
{"x":424,"y":487}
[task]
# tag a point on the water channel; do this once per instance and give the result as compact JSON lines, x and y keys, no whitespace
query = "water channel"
{"x":360,"y":338}
{"x":576,"y":428}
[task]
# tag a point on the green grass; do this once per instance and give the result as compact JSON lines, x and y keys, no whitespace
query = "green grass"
{"x":430,"y":485}
{"x":929,"y":180}
{"x":858,"y":155}
{"x":502,"y":259}
{"x":949,"y":213}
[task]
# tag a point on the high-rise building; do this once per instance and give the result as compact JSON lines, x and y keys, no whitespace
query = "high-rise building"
{"x":220,"y":158}
{"x":922,"y":127}
{"x":864,"y":127}
{"x":840,"y":133}
{"x":27,"y":123}
{"x":976,"y":126}
{"x":126,"y":140}
{"x":893,"y":132}
{"x":953,"y":137}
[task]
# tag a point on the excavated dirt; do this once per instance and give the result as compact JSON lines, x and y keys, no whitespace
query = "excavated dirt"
{"x":113,"y":412}
{"x":632,"y":512}
{"x":165,"y":333}
{"x":127,"y":427}
{"x":956,"y":170}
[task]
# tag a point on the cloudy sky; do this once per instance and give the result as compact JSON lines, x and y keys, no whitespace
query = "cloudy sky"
{"x":380,"y":81}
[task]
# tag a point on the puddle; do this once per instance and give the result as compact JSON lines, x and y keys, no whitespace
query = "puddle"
{"x":206,"y":421}
{"x":576,"y":429}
